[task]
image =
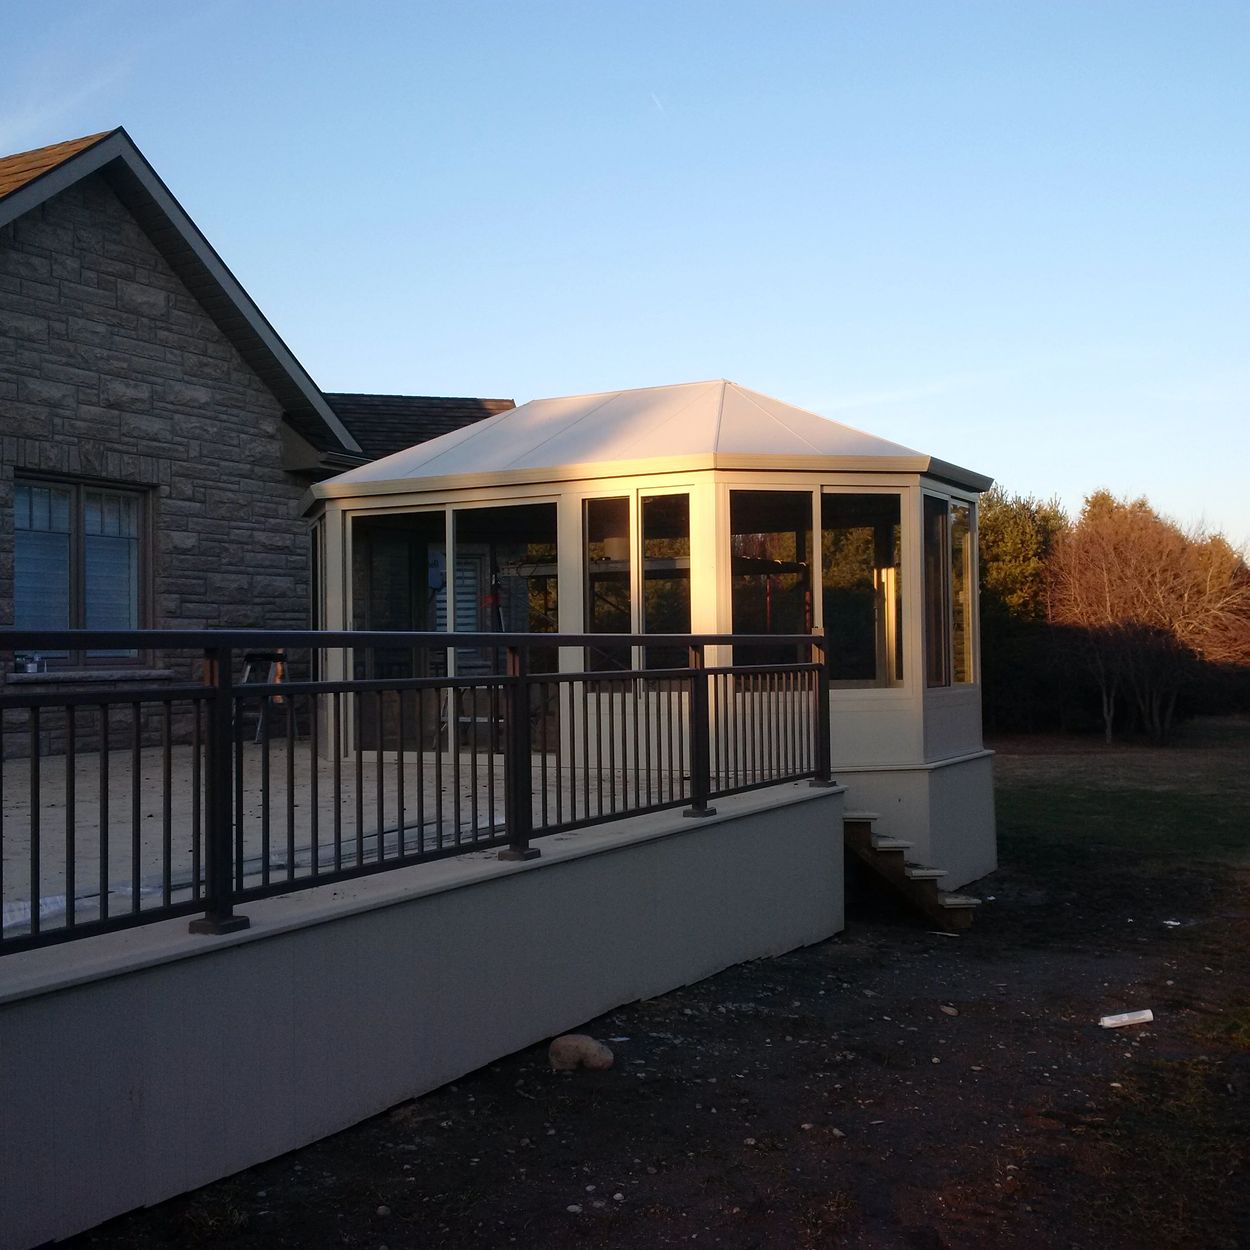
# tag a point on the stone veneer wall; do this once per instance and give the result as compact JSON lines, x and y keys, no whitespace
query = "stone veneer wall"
{"x":111,"y":370}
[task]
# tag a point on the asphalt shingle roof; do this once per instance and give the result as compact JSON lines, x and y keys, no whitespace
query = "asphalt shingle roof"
{"x":23,"y":167}
{"x":383,"y":424}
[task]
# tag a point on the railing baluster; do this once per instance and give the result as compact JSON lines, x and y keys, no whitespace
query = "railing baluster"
{"x":167,"y":799}
{"x":35,"y":798}
{"x":420,"y":772}
{"x":700,"y":754}
{"x":824,"y":761}
{"x":379,"y":787}
{"x":314,"y":788}
{"x":336,"y":751}
{"x":197,"y":798}
{"x":518,"y":799}
{"x":358,"y":722}
{"x":104,"y":812}
{"x":136,"y":779}
{"x":71,"y":813}
{"x":265,"y":794}
{"x":220,"y":916}
{"x":289,"y":706}
{"x":401,"y":817}
{"x":239,"y":705}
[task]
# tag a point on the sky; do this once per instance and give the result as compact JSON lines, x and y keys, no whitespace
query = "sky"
{"x":1015,"y":235}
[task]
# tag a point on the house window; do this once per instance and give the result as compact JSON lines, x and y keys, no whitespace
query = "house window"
{"x":770,"y":559}
{"x":609,"y":580}
{"x":665,"y":523}
{"x":861,"y":544}
{"x":78,"y":560}
{"x":949,"y":592}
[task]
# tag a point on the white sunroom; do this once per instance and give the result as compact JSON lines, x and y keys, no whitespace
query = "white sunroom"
{"x":699,"y":508}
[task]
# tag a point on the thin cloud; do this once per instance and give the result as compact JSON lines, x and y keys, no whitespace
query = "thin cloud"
{"x":64,"y":76}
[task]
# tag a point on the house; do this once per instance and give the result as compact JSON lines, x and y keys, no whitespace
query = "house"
{"x":704,"y":508}
{"x":156,"y":434}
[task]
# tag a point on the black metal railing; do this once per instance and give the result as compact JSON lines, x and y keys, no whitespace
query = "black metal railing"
{"x":188,"y":791}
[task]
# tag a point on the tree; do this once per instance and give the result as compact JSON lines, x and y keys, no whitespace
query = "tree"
{"x":1017,"y":535}
{"x":1147,"y":601}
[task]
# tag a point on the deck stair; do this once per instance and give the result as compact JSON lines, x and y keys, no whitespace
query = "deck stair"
{"x":887,"y":860}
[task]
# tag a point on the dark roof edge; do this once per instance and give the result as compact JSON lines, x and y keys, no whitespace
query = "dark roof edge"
{"x":117,"y":145}
{"x":957,"y":475}
{"x":450,"y":399}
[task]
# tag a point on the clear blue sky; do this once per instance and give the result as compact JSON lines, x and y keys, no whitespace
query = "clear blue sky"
{"x":1016,"y":235}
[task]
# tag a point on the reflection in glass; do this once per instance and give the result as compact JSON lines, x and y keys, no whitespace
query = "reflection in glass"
{"x":770,"y":550}
{"x":861,"y":588}
{"x":962,"y":590}
{"x":666,"y":575}
{"x":608,"y":581}
{"x":936,"y":592}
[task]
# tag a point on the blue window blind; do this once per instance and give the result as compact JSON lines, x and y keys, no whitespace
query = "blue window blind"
{"x":110,"y":560}
{"x":77,"y":558}
{"x":42,"y":558}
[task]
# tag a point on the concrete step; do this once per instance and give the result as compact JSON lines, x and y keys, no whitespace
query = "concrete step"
{"x":881,"y":843}
{"x":958,"y":900}
{"x":921,"y":872}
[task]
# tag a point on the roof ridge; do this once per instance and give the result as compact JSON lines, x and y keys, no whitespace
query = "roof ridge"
{"x":749,"y":396}
{"x":623,"y":390}
{"x":61,"y":143}
{"x":21,"y":169}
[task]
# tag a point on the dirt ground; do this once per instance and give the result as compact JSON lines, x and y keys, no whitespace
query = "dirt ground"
{"x":890,"y":1088}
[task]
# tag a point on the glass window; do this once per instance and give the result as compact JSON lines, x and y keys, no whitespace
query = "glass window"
{"x":963,"y":604}
{"x":666,"y":575}
{"x":770,"y":549}
{"x":862,"y":588}
{"x":77,"y":559}
{"x":608,"y":580}
{"x":937,"y":592}
{"x":506,"y":580}
{"x":399,"y":582}
{"x":949,"y":591}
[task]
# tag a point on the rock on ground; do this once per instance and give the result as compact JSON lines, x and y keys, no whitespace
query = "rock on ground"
{"x":578,"y":1050}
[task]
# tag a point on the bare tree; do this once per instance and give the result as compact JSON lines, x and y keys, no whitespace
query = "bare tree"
{"x":1147,"y":599}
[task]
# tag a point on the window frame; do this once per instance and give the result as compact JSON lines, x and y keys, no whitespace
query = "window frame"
{"x":947,"y":679}
{"x":78,"y":487}
{"x":894,"y":635}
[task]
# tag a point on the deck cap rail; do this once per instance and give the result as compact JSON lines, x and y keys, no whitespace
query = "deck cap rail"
{"x":195,"y":639}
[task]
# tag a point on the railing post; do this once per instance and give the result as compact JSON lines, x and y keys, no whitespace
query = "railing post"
{"x":700,"y":743}
{"x":219,"y":914}
{"x":818,"y":654}
{"x":517,"y":784}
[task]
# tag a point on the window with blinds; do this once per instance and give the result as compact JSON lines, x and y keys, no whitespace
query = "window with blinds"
{"x":78,"y":560}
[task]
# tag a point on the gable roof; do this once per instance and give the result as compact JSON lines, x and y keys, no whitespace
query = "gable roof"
{"x":384,"y":424}
{"x":719,"y":421}
{"x":28,"y":179}
{"x":23,"y":167}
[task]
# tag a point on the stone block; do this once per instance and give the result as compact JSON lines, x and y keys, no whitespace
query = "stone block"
{"x":23,"y":325}
{"x":123,"y":393}
{"x":47,"y":393}
{"x":137,"y":297}
{"x":186,"y":395}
